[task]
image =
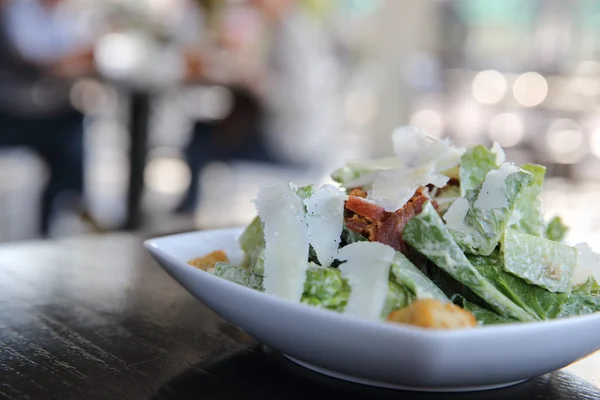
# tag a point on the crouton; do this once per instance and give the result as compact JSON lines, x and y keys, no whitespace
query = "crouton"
{"x":209,"y":260}
{"x":430,"y":313}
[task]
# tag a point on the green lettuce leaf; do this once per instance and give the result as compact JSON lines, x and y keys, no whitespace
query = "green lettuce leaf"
{"x":362,"y":173}
{"x":349,"y":236}
{"x":590,"y":287}
{"x":446,"y":197}
{"x":398,"y":297}
{"x":474,"y":166}
{"x":528,"y":209}
{"x":428,"y":234}
{"x":539,"y":261}
{"x":325,"y":288}
{"x":238,"y":275}
{"x":482,"y":314}
{"x":581,"y":305}
{"x":305,"y":192}
{"x":252,"y":242}
{"x":556,"y":230}
{"x":482,"y":229}
{"x":534,"y":299}
{"x":408,"y":275}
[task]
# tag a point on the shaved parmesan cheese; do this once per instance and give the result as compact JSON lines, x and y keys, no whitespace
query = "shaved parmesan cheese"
{"x":392,"y":189}
{"x":286,"y":236}
{"x":416,"y":149}
{"x":499,"y":152}
{"x":588,"y":264}
{"x":325,"y":219}
{"x":492,"y":194}
{"x":367,"y":270}
{"x":456,"y":214}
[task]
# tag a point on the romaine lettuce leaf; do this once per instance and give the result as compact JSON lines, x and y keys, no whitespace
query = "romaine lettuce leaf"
{"x":474,"y":166}
{"x":590,"y":287}
{"x":398,"y":297}
{"x":482,"y":315}
{"x":252,"y":242}
{"x":534,"y":299}
{"x":349,"y":236}
{"x":490,"y":208}
{"x":238,"y":275}
{"x":444,"y":198}
{"x":408,"y":275}
{"x":305,"y":191}
{"x":556,"y":230}
{"x":539,"y":261}
{"x":363,"y":173}
{"x":428,"y":234}
{"x":324,"y":287}
{"x":581,"y":305}
{"x":528,"y":215}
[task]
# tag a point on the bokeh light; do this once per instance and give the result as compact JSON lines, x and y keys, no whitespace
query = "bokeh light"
{"x":489,"y":87}
{"x":565,"y":141}
{"x":507,"y":129}
{"x":429,"y":121}
{"x":530,"y":89}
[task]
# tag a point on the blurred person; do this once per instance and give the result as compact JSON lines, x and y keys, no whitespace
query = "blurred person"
{"x":283,"y":97}
{"x":299,"y":85}
{"x":42,"y":53}
{"x":237,"y":136}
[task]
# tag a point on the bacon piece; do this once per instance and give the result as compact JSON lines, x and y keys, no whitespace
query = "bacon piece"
{"x":373,"y":222}
{"x":390,"y":231}
{"x":363,"y":226}
{"x":366,"y":209}
{"x":357,"y":223}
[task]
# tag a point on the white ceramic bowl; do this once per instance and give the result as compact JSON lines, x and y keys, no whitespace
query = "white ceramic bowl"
{"x":377,"y":353}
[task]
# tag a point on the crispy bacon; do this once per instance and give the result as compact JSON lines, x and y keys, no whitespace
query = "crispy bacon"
{"x":365,"y":208}
{"x":390,"y":232}
{"x":373,"y":222}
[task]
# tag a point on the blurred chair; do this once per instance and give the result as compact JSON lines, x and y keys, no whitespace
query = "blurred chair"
{"x":238,"y":137}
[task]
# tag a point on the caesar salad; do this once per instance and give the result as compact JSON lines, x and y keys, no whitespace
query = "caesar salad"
{"x":437,"y":236}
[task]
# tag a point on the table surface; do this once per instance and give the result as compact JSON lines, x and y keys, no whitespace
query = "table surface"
{"x":96,"y":318}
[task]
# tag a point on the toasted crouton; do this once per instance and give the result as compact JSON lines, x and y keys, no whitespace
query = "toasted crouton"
{"x":430,"y":313}
{"x":209,"y":260}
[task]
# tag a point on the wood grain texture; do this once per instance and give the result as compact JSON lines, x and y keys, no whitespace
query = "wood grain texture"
{"x":96,"y":318}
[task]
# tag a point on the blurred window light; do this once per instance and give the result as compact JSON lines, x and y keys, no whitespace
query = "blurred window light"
{"x":595,"y":143}
{"x":118,"y":55}
{"x":466,"y":121}
{"x":489,"y":87}
{"x":506,"y":129}
{"x":361,"y":107}
{"x":530,"y":89}
{"x":588,"y":68}
{"x":565,"y":141}
{"x":586,"y":86}
{"x":168,"y":175}
{"x":429,"y":121}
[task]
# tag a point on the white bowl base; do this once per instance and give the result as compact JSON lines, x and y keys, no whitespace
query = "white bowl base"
{"x":368,"y":382}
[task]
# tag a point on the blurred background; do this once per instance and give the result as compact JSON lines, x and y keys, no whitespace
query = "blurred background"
{"x":168,"y":115}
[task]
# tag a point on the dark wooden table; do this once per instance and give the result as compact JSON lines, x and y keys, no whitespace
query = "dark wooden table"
{"x":96,"y":318}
